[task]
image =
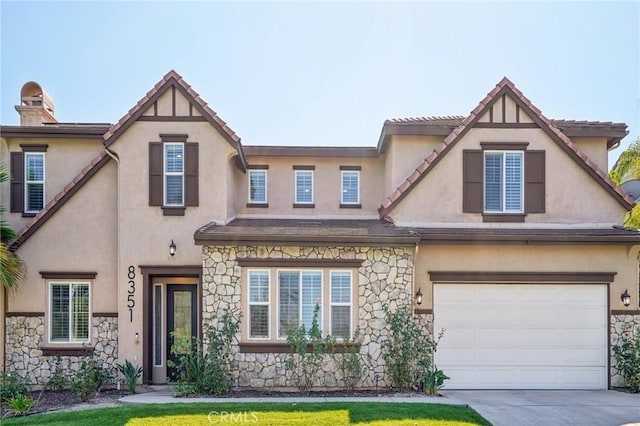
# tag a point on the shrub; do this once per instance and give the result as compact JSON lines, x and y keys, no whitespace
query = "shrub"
{"x":57,"y":380}
{"x":627,"y":355}
{"x":131,"y":374}
{"x":302,"y":364}
{"x":408,"y":353}
{"x":20,"y":405}
{"x":11,"y":386}
{"x":88,"y":379}
{"x":207,"y":370}
{"x":350,"y":362}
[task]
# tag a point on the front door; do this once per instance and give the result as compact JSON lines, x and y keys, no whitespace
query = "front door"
{"x":181,"y":322}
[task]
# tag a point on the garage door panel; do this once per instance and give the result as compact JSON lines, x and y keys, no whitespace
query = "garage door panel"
{"x":533,"y":337}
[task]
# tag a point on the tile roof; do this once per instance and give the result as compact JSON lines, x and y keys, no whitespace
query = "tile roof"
{"x":61,"y":198}
{"x":175,"y":79}
{"x":613,"y":234}
{"x":300,"y":231}
{"x":504,"y":86}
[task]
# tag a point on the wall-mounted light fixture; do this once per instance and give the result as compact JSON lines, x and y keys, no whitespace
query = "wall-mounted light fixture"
{"x":172,"y":248}
{"x":419,"y":297}
{"x":626,"y":298}
{"x":137,"y":338}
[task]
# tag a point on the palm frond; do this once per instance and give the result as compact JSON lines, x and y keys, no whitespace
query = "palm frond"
{"x":12,"y":268}
{"x":628,"y":165}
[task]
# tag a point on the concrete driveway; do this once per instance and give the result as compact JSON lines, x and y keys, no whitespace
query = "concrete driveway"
{"x":519,"y":408}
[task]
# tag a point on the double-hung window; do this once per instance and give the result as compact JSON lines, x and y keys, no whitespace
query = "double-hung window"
{"x":259,"y":317}
{"x":304,"y":187}
{"x":298,"y":294}
{"x":503,"y":181}
{"x":258,"y":186}
{"x":34,"y":181}
{"x":341,"y":304}
{"x":174,"y":174}
{"x":350,"y":187}
{"x":69,"y":312}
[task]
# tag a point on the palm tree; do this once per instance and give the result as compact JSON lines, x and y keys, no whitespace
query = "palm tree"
{"x":628,"y":165}
{"x":626,"y":168}
{"x":12,"y":269}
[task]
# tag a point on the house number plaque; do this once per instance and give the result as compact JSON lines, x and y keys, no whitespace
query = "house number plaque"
{"x":131,"y":302}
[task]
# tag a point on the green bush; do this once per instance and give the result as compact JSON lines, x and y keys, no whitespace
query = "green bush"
{"x":350,"y":362}
{"x":57,"y":380}
{"x":408,"y":353}
{"x":627,"y":354}
{"x":131,"y":374}
{"x":20,"y":405}
{"x":89,"y":379}
{"x":207,"y":370}
{"x":11,"y":386}
{"x":302,"y":363}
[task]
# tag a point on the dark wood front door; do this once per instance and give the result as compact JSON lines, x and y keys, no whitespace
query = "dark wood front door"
{"x":182,"y":323}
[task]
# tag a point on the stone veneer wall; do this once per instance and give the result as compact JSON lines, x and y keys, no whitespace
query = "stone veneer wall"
{"x":621,"y":326}
{"x":25,"y":337}
{"x":385,"y":276}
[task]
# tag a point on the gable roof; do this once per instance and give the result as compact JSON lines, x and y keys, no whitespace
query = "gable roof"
{"x":173,"y":79}
{"x":442,"y":126}
{"x":505,"y":86}
{"x":60,"y":199}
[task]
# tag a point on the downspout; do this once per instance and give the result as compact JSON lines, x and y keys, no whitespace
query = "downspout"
{"x":117,"y":160}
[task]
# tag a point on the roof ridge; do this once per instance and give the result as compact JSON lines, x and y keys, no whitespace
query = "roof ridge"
{"x":391,"y":201}
{"x":60,"y":198}
{"x":173,"y":77}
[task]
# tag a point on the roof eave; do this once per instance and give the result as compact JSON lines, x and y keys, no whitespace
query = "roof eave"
{"x":301,"y":240}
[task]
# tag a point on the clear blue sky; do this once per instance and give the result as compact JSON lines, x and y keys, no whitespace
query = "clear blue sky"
{"x":325,"y":73}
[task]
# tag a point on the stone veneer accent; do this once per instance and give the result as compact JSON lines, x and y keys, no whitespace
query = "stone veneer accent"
{"x":25,"y":338}
{"x":621,"y":326}
{"x":385,"y":276}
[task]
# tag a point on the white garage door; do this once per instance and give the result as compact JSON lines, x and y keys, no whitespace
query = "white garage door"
{"x":522,"y":336}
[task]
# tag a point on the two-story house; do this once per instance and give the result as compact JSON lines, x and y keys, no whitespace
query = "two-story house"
{"x":501,"y":227}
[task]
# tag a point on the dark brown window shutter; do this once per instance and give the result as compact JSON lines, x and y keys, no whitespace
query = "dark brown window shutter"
{"x":191,"y":174}
{"x":534,"y":174}
{"x":155,"y":174}
{"x":472,"y":173}
{"x":17,"y":182}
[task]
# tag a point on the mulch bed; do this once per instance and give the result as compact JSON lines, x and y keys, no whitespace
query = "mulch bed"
{"x":64,"y":399}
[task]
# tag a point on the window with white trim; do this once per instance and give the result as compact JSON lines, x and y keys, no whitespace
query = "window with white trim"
{"x":69,"y":314}
{"x":350,"y":187}
{"x":257,"y":186}
{"x":503,"y":181}
{"x":279,"y":301}
{"x":34,"y":181}
{"x":259,"y":298}
{"x":341,"y":304}
{"x":304,"y":187}
{"x":174,"y":174}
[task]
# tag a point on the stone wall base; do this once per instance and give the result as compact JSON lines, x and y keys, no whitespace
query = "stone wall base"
{"x":621,"y":326}
{"x":28,"y":356}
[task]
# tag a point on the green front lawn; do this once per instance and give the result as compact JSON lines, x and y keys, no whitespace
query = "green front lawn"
{"x":318,"y":414}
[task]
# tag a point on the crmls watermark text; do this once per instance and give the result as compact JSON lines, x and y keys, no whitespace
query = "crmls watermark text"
{"x":232,"y":417}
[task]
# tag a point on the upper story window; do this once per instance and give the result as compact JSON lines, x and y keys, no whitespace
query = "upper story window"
{"x":503,"y":181}
{"x":28,"y":179}
{"x":174,"y":174}
{"x":304,"y":187}
{"x":34,"y":181}
{"x":69,"y":312}
{"x":350,"y":187}
{"x":258,"y":186}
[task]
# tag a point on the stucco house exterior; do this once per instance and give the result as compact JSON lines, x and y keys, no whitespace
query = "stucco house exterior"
{"x":504,"y":220}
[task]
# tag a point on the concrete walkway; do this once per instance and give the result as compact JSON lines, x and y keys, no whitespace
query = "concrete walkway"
{"x":548,"y":408}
